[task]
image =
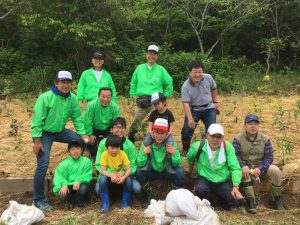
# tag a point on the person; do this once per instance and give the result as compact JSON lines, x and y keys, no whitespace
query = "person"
{"x":98,"y":117}
{"x":199,"y":98}
{"x":157,"y":152}
{"x":114,"y":159}
{"x":51,"y":113}
{"x":118,"y":127}
{"x":158,"y":100}
{"x":217,"y":167}
{"x":254,"y":152}
{"x":72,"y":176}
{"x":147,"y":79}
{"x":93,"y":79}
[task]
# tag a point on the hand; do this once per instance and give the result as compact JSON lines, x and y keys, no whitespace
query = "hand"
{"x":171,"y":149}
{"x":76,"y":186}
{"x":114,"y":178}
{"x":217,"y":108}
{"x":85,"y":138}
{"x":121,"y":181}
{"x":147,"y":150}
{"x":121,"y":173}
{"x":92,"y":139}
{"x":246,"y":172}
{"x":236,"y":193}
{"x":64,"y":191}
{"x":37,"y":146}
{"x":191,"y":123}
{"x":256,"y":172}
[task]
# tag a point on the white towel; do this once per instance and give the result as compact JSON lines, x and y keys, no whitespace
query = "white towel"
{"x":221,"y":158}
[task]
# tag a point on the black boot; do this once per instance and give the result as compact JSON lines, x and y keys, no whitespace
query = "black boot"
{"x":185,"y":145}
{"x":131,"y":135}
{"x":250,"y":197}
{"x":276,"y":197}
{"x":147,"y":196}
{"x":169,"y":167}
{"x":148,"y":166}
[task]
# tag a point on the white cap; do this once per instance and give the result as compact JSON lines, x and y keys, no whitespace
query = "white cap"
{"x":215,"y":129}
{"x":161,"y":124}
{"x":153,"y":48}
{"x":64,"y":75}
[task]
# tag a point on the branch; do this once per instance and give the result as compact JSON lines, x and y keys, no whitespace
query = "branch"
{"x":6,"y":14}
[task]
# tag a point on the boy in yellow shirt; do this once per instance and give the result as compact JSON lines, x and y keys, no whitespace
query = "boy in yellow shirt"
{"x":113,"y":159}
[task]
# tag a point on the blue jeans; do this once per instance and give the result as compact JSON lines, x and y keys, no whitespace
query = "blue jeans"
{"x":136,"y":186}
{"x":148,"y":140}
{"x":105,"y":182}
{"x":145,"y":176}
{"x":43,"y":158}
{"x":207,"y":116}
{"x":77,"y":195}
{"x":203,"y":189}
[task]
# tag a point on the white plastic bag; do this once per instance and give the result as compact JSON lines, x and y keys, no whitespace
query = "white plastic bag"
{"x":18,"y":214}
{"x":181,"y":202}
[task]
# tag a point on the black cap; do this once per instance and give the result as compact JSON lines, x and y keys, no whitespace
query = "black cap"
{"x":99,"y":54}
{"x":74,"y":143}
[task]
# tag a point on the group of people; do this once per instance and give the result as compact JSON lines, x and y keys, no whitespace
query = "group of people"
{"x":221,"y":166}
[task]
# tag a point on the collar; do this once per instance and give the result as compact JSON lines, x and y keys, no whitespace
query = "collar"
{"x":57,"y":92}
{"x":256,"y":138}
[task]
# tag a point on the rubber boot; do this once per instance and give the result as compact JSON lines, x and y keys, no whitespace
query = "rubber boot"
{"x":276,"y":197}
{"x":185,"y":145}
{"x":169,"y":167}
{"x":148,"y":166}
{"x":250,"y":198}
{"x":125,"y":199}
{"x":147,"y":196}
{"x":105,"y":201}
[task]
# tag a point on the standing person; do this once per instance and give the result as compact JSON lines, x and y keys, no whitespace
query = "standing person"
{"x":51,"y":113}
{"x":118,"y":127}
{"x":217,"y":167}
{"x":93,"y":79}
{"x":255,"y":155}
{"x":199,"y":97}
{"x":147,"y":79}
{"x":98,"y":117}
{"x":158,"y":153}
{"x":72,"y":176}
{"x":114,"y":159}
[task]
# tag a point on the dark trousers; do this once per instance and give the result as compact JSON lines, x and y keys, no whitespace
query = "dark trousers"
{"x":79,"y":195}
{"x":99,"y":134}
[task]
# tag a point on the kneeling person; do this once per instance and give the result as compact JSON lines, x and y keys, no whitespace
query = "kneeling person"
{"x":114,"y":159}
{"x":159,"y":154}
{"x":72,"y":176}
{"x":217,"y":167}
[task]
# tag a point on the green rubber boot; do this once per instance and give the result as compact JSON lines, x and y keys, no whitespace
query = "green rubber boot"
{"x":276,"y":197}
{"x":250,"y":198}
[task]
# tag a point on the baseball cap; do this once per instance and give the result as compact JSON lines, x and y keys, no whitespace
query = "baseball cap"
{"x":98,"y":54}
{"x":161,"y":124}
{"x":251,"y":117}
{"x":157,"y":97}
{"x":63,"y":75}
{"x":153,"y":48}
{"x":215,"y":129}
{"x":75,"y":144}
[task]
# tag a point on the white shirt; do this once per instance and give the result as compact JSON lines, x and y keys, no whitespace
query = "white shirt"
{"x":98,"y":74}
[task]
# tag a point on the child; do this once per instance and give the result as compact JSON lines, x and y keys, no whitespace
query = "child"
{"x":72,"y":176}
{"x":161,"y":111}
{"x":114,"y":159}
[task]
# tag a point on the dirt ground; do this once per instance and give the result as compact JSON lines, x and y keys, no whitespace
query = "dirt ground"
{"x":280,"y":118}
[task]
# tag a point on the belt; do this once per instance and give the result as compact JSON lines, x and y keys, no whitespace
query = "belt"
{"x":200,"y":106}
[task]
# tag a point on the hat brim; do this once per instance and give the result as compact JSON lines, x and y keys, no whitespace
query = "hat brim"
{"x":251,"y":120}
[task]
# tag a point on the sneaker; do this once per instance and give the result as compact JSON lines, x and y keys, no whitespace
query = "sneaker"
{"x":43,"y":205}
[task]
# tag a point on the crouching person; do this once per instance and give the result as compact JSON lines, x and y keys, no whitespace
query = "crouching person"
{"x":158,"y":153}
{"x":254,"y":152}
{"x":114,"y":159}
{"x":218,"y":169}
{"x":72,"y":176}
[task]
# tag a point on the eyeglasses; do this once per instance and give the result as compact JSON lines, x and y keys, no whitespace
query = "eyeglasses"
{"x":118,"y":127}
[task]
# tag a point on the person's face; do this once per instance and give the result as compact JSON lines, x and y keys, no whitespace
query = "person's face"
{"x":159,"y":136}
{"x":118,"y":129}
{"x":64,"y":86}
{"x":252,"y":128}
{"x":151,"y":57}
{"x":215,"y":140}
{"x":97,"y":62}
{"x":196,"y":75}
{"x":105,"y":97}
{"x":75,"y":152}
{"x":113,"y":151}
{"x":159,"y":105}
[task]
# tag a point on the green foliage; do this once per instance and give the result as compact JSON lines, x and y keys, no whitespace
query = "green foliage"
{"x":69,"y":220}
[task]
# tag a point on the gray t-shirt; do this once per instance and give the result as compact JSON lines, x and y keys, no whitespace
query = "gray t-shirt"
{"x":199,"y":95}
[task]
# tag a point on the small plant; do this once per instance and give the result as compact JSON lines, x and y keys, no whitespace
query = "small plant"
{"x":14,"y":128}
{"x":286,"y":150}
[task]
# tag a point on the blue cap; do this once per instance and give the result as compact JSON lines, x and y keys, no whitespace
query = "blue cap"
{"x":251,"y":117}
{"x":157,"y":97}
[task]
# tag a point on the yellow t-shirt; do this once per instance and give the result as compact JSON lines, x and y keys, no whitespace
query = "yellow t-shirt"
{"x":115,"y":163}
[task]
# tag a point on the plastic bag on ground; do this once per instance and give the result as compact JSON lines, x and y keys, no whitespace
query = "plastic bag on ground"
{"x":18,"y":214}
